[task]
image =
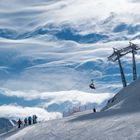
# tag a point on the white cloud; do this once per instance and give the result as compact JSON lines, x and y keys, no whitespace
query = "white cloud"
{"x":64,"y":100}
{"x":13,"y":111}
{"x":56,"y":61}
{"x":60,"y":97}
{"x":79,"y":14}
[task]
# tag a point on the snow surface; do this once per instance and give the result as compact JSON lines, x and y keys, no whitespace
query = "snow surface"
{"x":119,"y":121}
{"x":112,"y":125}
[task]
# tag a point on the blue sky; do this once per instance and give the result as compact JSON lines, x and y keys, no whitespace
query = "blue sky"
{"x":50,"y":51}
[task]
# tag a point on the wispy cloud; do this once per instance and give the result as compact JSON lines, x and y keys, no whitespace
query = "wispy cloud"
{"x":45,"y":67}
{"x":73,"y":13}
{"x":50,"y":98}
{"x":36,"y":65}
{"x":59,"y":96}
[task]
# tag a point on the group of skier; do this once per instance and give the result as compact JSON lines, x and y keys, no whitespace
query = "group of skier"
{"x":27,"y":121}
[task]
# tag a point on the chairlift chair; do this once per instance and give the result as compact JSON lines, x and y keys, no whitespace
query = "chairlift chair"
{"x":92,"y":85}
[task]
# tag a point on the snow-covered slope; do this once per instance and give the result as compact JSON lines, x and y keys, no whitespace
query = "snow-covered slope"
{"x":112,"y":125}
{"x":127,"y":98}
{"x":119,"y":122}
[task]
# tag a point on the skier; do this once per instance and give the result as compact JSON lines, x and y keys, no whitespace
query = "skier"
{"x":34,"y":119}
{"x":94,"y":109}
{"x":29,"y":120}
{"x":19,"y":123}
{"x":25,"y":122}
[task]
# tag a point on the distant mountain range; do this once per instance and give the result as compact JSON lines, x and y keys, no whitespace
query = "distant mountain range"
{"x":6,"y":125}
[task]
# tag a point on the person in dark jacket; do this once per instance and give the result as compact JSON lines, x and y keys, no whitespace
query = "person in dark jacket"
{"x":34,"y":119}
{"x":25,"y":122}
{"x":19,"y":123}
{"x":94,"y":109}
{"x":29,"y":120}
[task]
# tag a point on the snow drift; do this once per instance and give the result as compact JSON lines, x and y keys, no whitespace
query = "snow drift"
{"x":127,"y":98}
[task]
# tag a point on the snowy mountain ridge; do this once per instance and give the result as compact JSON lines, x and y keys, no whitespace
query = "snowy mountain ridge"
{"x":6,"y":125}
{"x":127,"y":98}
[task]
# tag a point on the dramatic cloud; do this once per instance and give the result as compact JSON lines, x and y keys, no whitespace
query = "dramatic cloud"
{"x":50,"y":50}
{"x":38,"y":66}
{"x":79,"y":14}
{"x":58,"y":97}
{"x":13,"y":111}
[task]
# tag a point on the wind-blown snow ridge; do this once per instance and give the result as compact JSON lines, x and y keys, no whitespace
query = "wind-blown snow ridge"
{"x":128,"y":98}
